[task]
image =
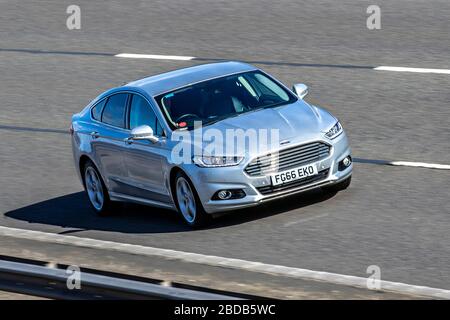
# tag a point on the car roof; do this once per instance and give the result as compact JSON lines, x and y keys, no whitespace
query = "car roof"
{"x":172,"y":80}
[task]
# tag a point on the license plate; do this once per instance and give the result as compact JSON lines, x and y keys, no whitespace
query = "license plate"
{"x":294,"y":174}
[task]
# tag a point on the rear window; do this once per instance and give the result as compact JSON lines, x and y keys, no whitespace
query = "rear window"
{"x":97,"y":110}
{"x":114,"y":111}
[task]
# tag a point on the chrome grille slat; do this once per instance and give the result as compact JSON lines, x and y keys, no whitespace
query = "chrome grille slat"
{"x":284,"y":152}
{"x":262,"y":161}
{"x":290,"y":161}
{"x":288,"y":164}
{"x":296,"y":151}
{"x":314,"y":153}
{"x":288,"y":158}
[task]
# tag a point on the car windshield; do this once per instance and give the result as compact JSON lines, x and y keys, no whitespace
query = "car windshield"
{"x":218,"y":99}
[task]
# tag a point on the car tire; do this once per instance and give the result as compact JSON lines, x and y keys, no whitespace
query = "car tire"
{"x":338,"y":186}
{"x":188,"y":203}
{"x":97,"y":192}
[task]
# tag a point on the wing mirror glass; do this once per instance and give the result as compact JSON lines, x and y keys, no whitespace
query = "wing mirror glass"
{"x":300,"y":89}
{"x":143,"y":133}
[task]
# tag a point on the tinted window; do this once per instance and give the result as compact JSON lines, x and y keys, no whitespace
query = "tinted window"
{"x":97,"y":110}
{"x":142,"y":114}
{"x":269,"y":87}
{"x":114,"y":112}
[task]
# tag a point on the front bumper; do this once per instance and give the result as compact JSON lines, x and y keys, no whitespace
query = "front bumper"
{"x":208,"y":181}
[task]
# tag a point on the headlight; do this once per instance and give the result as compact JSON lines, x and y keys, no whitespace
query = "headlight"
{"x":334,"y":131}
{"x":217,"y":161}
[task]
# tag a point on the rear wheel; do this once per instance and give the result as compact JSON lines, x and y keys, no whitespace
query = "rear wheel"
{"x":188,"y":202}
{"x":338,"y":186}
{"x":97,"y":191}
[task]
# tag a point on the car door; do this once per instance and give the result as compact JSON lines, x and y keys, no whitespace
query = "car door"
{"x":107,"y":140}
{"x":143,"y":159}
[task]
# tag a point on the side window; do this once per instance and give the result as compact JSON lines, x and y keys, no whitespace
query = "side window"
{"x":141,"y":113}
{"x":114,"y":112}
{"x":97,"y":110}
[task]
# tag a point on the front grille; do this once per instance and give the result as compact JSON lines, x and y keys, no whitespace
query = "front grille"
{"x":266,"y":190}
{"x":288,"y":158}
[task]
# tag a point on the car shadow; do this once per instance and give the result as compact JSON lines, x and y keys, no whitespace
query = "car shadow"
{"x":73,"y":212}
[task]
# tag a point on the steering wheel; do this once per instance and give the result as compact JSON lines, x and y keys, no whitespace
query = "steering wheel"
{"x":187,"y":115}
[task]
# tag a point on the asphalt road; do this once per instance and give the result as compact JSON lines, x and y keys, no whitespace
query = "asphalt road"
{"x":395,"y":217}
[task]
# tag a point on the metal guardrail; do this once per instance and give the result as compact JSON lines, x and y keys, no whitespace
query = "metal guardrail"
{"x":38,"y":280}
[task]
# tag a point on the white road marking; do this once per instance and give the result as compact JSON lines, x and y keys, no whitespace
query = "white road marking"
{"x":153,"y":56}
{"x":420,"y":164}
{"x":216,"y":261}
{"x":404,"y":69}
{"x":187,"y":58}
{"x":404,"y":163}
{"x":306,"y":219}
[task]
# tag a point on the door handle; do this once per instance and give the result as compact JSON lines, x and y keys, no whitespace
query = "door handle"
{"x":94,"y":134}
{"x":128,"y":140}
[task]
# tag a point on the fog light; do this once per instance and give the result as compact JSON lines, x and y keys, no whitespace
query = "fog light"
{"x":224,"y":194}
{"x":347,"y":161}
{"x":229,"y":194}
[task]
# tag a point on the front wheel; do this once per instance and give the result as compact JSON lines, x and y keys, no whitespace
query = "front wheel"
{"x":338,"y":186}
{"x":188,"y":202}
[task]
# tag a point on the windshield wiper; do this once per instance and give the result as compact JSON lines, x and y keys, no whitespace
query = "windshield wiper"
{"x":219,"y":119}
{"x":233,"y":116}
{"x":276,"y":104}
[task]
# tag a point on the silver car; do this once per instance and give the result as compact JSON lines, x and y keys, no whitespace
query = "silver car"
{"x":126,"y":142}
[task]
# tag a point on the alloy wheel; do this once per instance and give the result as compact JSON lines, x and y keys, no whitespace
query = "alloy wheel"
{"x":186,"y":200}
{"x":94,"y":188}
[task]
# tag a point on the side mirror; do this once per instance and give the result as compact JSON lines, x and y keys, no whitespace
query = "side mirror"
{"x":300,"y":89}
{"x":143,"y":133}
